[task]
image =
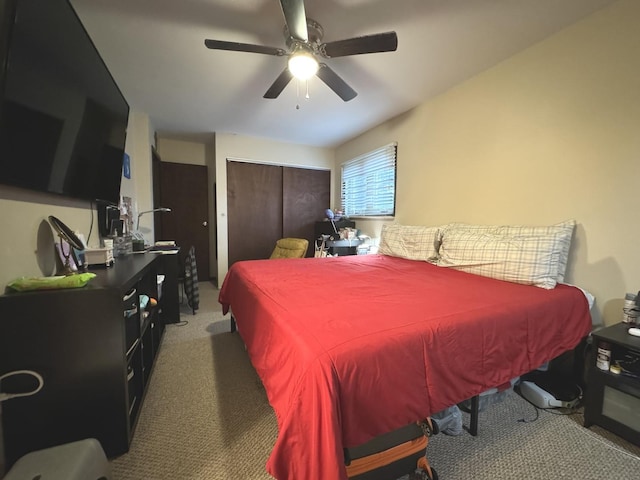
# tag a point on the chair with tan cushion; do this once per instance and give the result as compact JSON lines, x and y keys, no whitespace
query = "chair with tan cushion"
{"x":290,"y":248}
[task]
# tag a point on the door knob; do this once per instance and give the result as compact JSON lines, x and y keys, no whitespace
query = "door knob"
{"x":204,"y":224}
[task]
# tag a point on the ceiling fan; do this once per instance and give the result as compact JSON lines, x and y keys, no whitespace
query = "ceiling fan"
{"x":303,"y":37}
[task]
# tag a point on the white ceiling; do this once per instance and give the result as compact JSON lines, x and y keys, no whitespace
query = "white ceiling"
{"x":155,"y":51}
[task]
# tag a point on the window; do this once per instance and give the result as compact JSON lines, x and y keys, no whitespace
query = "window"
{"x":369,"y":183}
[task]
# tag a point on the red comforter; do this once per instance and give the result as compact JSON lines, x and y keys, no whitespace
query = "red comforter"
{"x":352,"y":347}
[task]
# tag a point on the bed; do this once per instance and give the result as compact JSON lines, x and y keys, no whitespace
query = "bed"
{"x":349,"y":348}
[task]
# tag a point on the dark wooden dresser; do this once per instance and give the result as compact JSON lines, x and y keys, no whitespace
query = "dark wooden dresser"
{"x":94,"y":348}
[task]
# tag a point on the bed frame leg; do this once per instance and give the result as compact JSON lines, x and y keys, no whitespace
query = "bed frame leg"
{"x":473,"y":423}
{"x":232,"y":321}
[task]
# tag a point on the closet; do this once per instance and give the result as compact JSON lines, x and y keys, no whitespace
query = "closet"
{"x":269,"y":202}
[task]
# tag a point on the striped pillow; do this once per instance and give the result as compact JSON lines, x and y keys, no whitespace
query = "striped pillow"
{"x":529,"y":260}
{"x":413,"y":242}
{"x":563,"y":230}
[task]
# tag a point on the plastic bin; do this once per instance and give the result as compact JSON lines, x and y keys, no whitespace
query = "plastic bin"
{"x":81,"y":460}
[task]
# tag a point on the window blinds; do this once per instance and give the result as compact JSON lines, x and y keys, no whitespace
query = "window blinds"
{"x":369,"y":183}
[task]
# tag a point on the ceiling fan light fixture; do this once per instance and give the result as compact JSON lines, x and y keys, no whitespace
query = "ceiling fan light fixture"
{"x":305,"y":48}
{"x":303,"y":65}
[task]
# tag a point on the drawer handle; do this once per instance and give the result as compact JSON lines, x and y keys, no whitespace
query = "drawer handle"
{"x":129,"y":294}
{"x":132,"y":347}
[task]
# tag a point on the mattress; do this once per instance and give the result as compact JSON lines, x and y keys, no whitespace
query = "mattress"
{"x":349,"y":348}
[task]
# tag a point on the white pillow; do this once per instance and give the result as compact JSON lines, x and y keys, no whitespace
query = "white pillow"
{"x":563,"y":230}
{"x":527,"y":259}
{"x":413,"y":242}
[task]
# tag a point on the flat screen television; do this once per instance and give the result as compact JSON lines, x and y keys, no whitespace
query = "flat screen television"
{"x":63,"y":118}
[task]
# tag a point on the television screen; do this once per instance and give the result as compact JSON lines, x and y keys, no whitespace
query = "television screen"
{"x":63,"y":118}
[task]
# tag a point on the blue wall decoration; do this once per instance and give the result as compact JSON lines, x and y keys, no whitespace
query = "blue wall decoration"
{"x":126,"y":166}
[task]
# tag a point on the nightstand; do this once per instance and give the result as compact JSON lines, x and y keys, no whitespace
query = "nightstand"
{"x":613,"y":399}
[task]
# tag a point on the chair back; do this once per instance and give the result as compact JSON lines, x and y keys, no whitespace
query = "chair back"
{"x":290,"y":248}
{"x":191,"y":288}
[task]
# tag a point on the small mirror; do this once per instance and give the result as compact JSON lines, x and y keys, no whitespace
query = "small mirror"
{"x":66,"y":235}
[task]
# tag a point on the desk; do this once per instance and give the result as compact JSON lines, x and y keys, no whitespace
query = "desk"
{"x":170,"y":302}
{"x":343,"y":247}
{"x":336,"y":245}
{"x":327,"y":228}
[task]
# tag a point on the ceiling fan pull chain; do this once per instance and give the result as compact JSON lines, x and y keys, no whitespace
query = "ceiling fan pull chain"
{"x":307,"y":95}
{"x":297,"y":94}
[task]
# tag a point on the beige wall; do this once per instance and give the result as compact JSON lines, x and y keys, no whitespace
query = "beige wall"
{"x":182,"y":151}
{"x":140,"y":186}
{"x":237,"y":147}
{"x":548,"y":135}
{"x":22,"y":211}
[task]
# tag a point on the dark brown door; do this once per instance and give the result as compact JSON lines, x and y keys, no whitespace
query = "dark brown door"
{"x":268,"y":202}
{"x":254,"y":209}
{"x":306,"y":195}
{"x":183,"y":189}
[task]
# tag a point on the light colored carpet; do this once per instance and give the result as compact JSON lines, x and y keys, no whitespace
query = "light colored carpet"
{"x":205,"y":416}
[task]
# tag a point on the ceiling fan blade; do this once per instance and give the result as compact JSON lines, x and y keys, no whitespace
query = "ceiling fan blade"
{"x":335,"y":83}
{"x":243,"y":47}
{"x":295,"y":18}
{"x":282,"y":81}
{"x":379,"y":42}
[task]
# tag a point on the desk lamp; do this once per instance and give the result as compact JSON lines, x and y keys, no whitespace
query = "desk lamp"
{"x":161,"y":209}
{"x":330,"y":215}
{"x":139,"y":242}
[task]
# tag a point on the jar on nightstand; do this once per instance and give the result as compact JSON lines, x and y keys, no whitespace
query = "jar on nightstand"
{"x":603,"y":357}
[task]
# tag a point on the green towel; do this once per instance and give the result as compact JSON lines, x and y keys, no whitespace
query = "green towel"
{"x":23,"y":284}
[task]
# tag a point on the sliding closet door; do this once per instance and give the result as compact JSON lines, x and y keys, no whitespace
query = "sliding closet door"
{"x":306,"y":195}
{"x":254,"y":209}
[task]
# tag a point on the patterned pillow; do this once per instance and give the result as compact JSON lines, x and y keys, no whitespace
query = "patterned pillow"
{"x":563,"y":230}
{"x":526,"y":259}
{"x":413,"y":242}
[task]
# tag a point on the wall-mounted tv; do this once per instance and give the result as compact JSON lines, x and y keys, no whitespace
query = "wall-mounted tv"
{"x":63,"y":118}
